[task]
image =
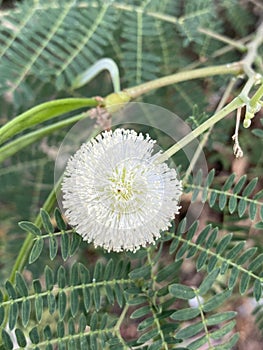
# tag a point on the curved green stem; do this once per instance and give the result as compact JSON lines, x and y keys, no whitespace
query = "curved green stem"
{"x":230,"y":68}
{"x":43,"y":112}
{"x":233,"y":105}
{"x":52,"y":109}
{"x":257,"y":97}
{"x":207,"y":134}
{"x":101,"y":65}
{"x":26,"y":247}
{"x":224,"y":39}
{"x":28,"y":242}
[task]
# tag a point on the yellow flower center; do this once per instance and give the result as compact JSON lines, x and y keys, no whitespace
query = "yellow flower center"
{"x":122,"y":185}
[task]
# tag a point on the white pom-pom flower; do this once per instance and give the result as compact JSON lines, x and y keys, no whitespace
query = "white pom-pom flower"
{"x":116,"y":194}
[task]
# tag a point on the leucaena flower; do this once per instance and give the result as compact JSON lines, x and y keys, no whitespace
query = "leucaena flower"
{"x":116,"y":194}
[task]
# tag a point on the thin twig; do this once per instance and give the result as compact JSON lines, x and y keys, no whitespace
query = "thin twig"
{"x":223,"y":39}
{"x":207,"y":134}
{"x":236,"y":148}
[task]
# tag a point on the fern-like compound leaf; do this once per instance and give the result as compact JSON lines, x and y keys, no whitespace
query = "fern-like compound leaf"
{"x":38,"y":42}
{"x":243,"y":266}
{"x":234,"y":195}
{"x":197,"y":328}
{"x":69,"y":243}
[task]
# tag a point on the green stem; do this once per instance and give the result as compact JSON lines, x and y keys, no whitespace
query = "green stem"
{"x":28,"y":242}
{"x":12,"y":147}
{"x":204,"y":140}
{"x":101,"y":65}
{"x":252,"y":52}
{"x":236,"y":103}
{"x":52,"y":109}
{"x":257,"y":96}
{"x":121,"y":318}
{"x":43,"y":112}
{"x":236,"y":44}
{"x":26,"y":247}
{"x":118,"y":325}
{"x":231,"y":68}
{"x":203,"y":318}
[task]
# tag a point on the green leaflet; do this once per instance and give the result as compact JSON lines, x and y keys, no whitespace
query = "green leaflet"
{"x":36,"y":250}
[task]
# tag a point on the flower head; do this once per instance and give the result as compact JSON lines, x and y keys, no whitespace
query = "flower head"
{"x":116,"y":194}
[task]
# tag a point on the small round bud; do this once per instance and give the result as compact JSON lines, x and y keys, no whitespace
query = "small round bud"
{"x":246,"y":123}
{"x":114,"y":101}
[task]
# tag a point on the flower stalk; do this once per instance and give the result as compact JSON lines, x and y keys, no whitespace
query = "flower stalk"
{"x":230,"y":68}
{"x":233,"y":105}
